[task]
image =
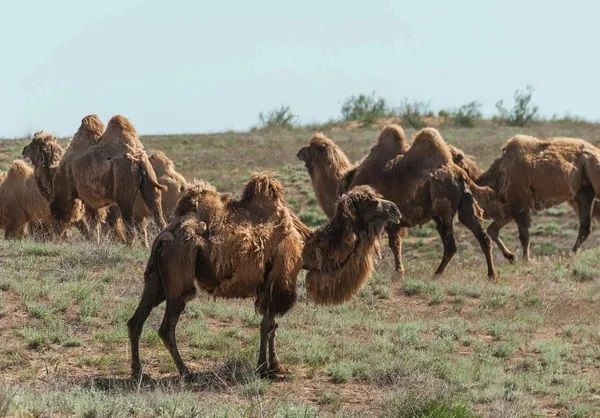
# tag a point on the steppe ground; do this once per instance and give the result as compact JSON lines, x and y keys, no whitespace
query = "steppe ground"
{"x":528,"y":344}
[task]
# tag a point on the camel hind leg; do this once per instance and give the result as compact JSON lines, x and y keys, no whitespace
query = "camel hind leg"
{"x":523,"y":220}
{"x":152,"y":295}
{"x":268,"y":362}
{"x":174,"y":308}
{"x":445,"y":228}
{"x":468,"y":217}
{"x":395,"y":234}
{"x":153,"y":200}
{"x":493,"y":232}
{"x":584,"y":200}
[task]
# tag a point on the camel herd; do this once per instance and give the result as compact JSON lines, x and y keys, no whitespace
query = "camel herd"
{"x":256,"y":246}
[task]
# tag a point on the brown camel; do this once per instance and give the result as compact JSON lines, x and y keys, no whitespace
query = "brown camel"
{"x":532,"y":174}
{"x":111,"y":170}
{"x":22,"y":204}
{"x":46,"y":154}
{"x":166,"y":175}
{"x":387,"y":169}
{"x":247,"y":248}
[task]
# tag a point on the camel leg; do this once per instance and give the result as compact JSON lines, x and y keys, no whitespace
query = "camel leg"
{"x":84,"y":229}
{"x":267,"y":330}
{"x":152,"y":295}
{"x":584,"y":202}
{"x":274,"y":362}
{"x":141,"y":227}
{"x":494,"y":233}
{"x":468,"y":217}
{"x":153,"y":201}
{"x":174,"y":308}
{"x":395,"y":243}
{"x":446,"y":231}
{"x":523,"y":220}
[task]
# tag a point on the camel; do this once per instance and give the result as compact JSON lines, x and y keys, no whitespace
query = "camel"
{"x":532,"y":174}
{"x":385,"y":166}
{"x":22,"y":204}
{"x":112,"y":169}
{"x":166,"y":175}
{"x":251,"y":248}
{"x":46,"y":154}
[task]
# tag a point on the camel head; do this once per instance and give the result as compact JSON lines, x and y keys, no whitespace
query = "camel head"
{"x":161,"y":163}
{"x":339,"y":257}
{"x":203,"y":199}
{"x":363,"y":208}
{"x":322,"y":152}
{"x":43,"y":150}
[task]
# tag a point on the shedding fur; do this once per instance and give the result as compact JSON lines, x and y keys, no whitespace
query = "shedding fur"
{"x":22,"y":204}
{"x":110,"y":170}
{"x":340,"y":256}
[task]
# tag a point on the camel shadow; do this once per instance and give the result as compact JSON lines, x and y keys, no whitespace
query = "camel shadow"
{"x":224,"y":376}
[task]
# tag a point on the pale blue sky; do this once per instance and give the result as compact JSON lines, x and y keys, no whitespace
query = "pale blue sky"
{"x":184,"y":66}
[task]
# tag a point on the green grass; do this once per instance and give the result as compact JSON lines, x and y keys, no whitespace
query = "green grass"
{"x":456,"y":346}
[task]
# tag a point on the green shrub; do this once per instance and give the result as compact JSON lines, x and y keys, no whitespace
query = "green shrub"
{"x":466,"y":115}
{"x":281,"y":117}
{"x":412,"y":113}
{"x":523,"y":111}
{"x":365,"y":108}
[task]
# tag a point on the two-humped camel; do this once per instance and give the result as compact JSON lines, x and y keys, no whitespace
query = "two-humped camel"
{"x":423,"y":180}
{"x":533,"y":174}
{"x":111,"y":170}
{"x":254,"y":247}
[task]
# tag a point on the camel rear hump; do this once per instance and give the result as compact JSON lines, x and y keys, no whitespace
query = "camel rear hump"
{"x":429,"y":150}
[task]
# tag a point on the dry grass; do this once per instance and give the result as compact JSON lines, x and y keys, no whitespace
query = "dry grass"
{"x":458,"y":346}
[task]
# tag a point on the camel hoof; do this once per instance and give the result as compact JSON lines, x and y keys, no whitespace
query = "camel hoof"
{"x":510,"y":257}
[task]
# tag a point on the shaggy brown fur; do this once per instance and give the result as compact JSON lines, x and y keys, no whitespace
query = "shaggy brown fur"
{"x":428,"y":161}
{"x":340,"y":256}
{"x":229,"y":248}
{"x":166,"y":175}
{"x":532,"y":174}
{"x":252,"y":248}
{"x":110,"y":171}
{"x":326,"y":164}
{"x":22,"y":203}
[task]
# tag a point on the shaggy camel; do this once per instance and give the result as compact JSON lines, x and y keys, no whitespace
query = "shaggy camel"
{"x":45,"y":154}
{"x":385,"y":166}
{"x":532,"y":174}
{"x":110,"y":170}
{"x":249,"y":248}
{"x":22,"y":204}
{"x":174,"y":182}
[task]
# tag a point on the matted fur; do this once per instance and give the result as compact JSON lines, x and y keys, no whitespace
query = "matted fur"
{"x":45,"y":153}
{"x":120,"y":133}
{"x":21,"y":202}
{"x":340,"y":255}
{"x":253,"y":245}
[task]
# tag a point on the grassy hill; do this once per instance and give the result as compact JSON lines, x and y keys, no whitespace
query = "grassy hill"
{"x":418,"y":346}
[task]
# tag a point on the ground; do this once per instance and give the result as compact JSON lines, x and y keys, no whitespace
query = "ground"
{"x":456,"y":346}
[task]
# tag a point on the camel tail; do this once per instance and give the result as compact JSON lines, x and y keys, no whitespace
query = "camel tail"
{"x":149,"y":175}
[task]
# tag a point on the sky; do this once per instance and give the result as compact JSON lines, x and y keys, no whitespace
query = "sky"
{"x":200,"y":66}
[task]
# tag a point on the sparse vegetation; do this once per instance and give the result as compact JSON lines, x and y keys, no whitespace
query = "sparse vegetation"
{"x":523,"y":111}
{"x":281,"y":117}
{"x":526,"y":344}
{"x":365,"y":108}
{"x":412,"y":113}
{"x":466,"y":115}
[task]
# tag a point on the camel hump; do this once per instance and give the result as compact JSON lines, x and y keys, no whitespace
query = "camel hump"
{"x":44,"y":136}
{"x":429,"y":148}
{"x":393,"y":137}
{"x":19,"y":168}
{"x":191,"y":195}
{"x":121,"y":131}
{"x":520,"y":142}
{"x":92,"y":125}
{"x":263,"y":185}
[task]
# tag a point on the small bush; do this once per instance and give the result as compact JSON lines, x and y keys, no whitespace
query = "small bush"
{"x":412,"y":113}
{"x":466,"y":115}
{"x":281,"y":117}
{"x":523,"y":111}
{"x":365,"y":108}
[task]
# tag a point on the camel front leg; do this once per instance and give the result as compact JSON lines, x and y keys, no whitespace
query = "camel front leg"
{"x":446,"y":231}
{"x":395,"y":234}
